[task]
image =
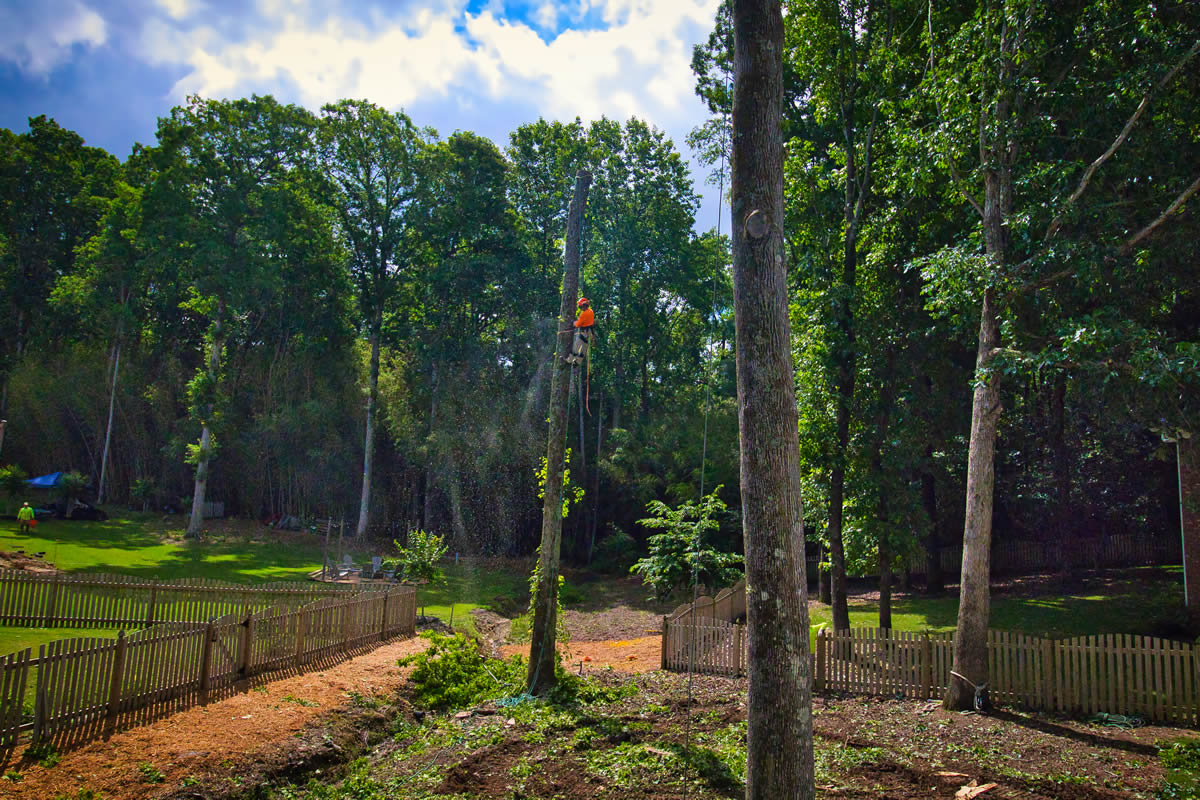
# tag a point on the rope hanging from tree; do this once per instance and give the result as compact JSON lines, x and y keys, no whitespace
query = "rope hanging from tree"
{"x":687,"y":729}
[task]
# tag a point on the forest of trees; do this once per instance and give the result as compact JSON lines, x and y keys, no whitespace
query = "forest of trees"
{"x":988,"y":198}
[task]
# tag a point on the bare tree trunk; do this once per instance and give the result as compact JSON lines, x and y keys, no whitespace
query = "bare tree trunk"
{"x":196,"y":522}
{"x":779,"y":738}
{"x":430,"y":479}
{"x":112,"y":401}
{"x":974,"y":598}
{"x":997,"y":154}
{"x":837,"y":552}
{"x":824,"y":580}
{"x":885,"y":580}
{"x":541,"y":676}
{"x":1065,"y":532}
{"x":364,"y":506}
{"x":935,"y":581}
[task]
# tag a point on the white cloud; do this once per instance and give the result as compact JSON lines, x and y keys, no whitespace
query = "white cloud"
{"x":39,"y":37}
{"x":468,"y":69}
{"x":638,"y":64}
{"x":177,"y":9}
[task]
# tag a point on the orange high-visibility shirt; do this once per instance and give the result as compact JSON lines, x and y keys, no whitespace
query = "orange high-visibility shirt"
{"x":586,"y":319}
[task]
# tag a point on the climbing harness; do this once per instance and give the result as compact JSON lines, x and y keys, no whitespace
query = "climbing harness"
{"x":980,"y":691}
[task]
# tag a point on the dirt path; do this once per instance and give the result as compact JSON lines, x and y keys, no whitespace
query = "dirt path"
{"x":643,"y":654}
{"x":205,"y":737}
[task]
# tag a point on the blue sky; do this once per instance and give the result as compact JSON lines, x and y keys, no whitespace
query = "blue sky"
{"x":109,"y":68}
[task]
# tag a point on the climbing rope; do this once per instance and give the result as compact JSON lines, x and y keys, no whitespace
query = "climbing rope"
{"x":687,"y":727}
{"x":1117,"y":721}
{"x":980,"y":691}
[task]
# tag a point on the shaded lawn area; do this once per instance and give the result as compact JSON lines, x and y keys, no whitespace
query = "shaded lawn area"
{"x":1123,"y":606}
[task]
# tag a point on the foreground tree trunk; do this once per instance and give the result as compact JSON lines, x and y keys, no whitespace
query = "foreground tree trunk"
{"x":779,"y":739}
{"x":364,"y":506}
{"x":974,"y":597}
{"x":541,"y":676}
{"x":196,"y":522}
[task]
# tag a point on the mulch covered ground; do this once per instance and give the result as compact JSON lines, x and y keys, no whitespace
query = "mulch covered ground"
{"x":225,"y":735}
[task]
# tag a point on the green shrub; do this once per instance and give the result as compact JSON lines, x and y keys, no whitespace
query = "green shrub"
{"x":616,"y":553}
{"x":678,"y":553}
{"x":151,"y":773}
{"x":453,"y":673}
{"x":417,"y":561}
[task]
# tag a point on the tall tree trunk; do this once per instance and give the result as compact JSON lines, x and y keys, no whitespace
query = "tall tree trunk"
{"x":196,"y":522}
{"x":997,"y":154}
{"x":364,"y":505}
{"x":779,"y":738}
{"x":457,"y":520}
{"x":430,"y":475}
{"x":1064,"y":529}
{"x":541,"y":676}
{"x":885,"y":576}
{"x":935,"y":581}
{"x":974,"y":596}
{"x":882,"y":423}
{"x":112,"y":402}
{"x":824,"y":580}
{"x":837,"y":552}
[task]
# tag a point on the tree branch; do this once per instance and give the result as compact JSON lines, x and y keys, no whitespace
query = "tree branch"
{"x":1171,"y":209}
{"x":1057,"y":222}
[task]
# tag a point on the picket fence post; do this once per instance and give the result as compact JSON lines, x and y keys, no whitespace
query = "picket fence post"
{"x":383,"y":626}
{"x":301,"y":629}
{"x":926,"y":666}
{"x":115,"y":679}
{"x":665,"y":639}
{"x":151,"y":604}
{"x":210,"y":635}
{"x":52,"y":600}
{"x":39,"y":699}
{"x":247,"y":645}
{"x":819,"y":683}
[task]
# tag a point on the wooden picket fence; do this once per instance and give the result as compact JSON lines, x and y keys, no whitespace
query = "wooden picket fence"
{"x":1157,"y":679}
{"x":85,"y":600}
{"x":87,"y":685}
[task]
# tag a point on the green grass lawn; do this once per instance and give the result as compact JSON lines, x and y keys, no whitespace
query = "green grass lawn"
{"x":467,"y":586}
{"x":1126,"y":608}
{"x":145,"y":545}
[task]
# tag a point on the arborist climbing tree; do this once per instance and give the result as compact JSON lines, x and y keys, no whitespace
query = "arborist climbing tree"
{"x":583,"y":332}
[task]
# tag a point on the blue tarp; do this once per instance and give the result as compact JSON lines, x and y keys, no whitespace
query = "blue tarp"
{"x":45,"y":481}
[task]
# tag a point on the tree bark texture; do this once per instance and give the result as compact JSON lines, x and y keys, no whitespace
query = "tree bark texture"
{"x":974,"y":597}
{"x":935,"y":581}
{"x":364,"y":506}
{"x":541,"y":676}
{"x":779,"y":739}
{"x":196,"y":522}
{"x":1061,"y":456}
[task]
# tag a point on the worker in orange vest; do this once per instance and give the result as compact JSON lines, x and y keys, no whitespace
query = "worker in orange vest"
{"x":583,"y":332}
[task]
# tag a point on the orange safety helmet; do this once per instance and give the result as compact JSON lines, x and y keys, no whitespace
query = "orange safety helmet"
{"x":583,"y":301}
